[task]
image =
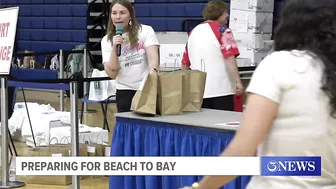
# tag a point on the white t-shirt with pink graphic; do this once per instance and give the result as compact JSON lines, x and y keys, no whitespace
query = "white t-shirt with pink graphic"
{"x":133,"y":62}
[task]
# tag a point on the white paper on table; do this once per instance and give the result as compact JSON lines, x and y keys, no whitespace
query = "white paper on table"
{"x":229,"y":124}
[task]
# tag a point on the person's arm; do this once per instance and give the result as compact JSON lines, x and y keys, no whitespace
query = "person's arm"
{"x":112,"y":67}
{"x":153,"y":57}
{"x":110,"y":58}
{"x":265,"y":91}
{"x":152,"y":50}
{"x":230,"y":52}
{"x":257,"y":119}
{"x":233,"y":68}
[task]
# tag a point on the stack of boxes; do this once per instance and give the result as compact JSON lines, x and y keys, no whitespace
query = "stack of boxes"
{"x":251,"y":22}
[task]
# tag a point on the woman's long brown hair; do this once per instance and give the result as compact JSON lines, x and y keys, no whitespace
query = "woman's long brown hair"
{"x":132,"y":29}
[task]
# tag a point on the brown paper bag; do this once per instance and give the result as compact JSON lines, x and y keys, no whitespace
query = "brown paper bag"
{"x":145,"y":99}
{"x":170,"y":93}
{"x":194,"y":86}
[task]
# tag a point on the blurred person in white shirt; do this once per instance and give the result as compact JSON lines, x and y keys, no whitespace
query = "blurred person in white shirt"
{"x":291,"y":105}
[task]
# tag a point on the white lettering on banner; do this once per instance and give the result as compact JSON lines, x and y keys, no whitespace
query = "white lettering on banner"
{"x":8,"y":22}
{"x":297,"y":166}
{"x":138,"y":166}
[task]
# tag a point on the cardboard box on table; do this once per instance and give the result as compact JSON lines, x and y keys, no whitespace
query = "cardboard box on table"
{"x":253,"y":5}
{"x":61,"y":150}
{"x":251,"y":22}
{"x":251,"y":57}
{"x":251,"y":30}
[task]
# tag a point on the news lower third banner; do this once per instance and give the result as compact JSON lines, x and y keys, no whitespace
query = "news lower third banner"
{"x":264,"y":166}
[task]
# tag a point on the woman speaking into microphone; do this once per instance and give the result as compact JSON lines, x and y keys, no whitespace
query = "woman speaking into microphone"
{"x":129,"y":50}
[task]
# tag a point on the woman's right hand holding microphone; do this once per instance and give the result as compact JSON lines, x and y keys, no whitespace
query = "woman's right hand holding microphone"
{"x":117,"y":40}
{"x":114,"y":65}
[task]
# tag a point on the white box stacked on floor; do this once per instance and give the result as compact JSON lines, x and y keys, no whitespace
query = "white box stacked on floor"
{"x":251,"y":22}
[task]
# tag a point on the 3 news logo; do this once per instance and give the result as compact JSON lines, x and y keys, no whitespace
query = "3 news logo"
{"x":290,"y":166}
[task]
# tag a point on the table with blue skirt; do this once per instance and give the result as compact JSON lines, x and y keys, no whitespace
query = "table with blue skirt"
{"x":190,"y":134}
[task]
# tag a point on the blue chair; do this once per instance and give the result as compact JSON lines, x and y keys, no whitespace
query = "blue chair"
{"x":104,"y":105}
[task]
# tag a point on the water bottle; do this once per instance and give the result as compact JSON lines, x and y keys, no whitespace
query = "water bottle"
{"x":12,"y":169}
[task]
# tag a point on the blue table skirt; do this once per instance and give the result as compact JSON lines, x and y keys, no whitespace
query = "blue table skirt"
{"x":134,"y":137}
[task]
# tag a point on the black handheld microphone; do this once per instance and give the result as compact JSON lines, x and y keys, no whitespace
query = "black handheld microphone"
{"x":119,"y":31}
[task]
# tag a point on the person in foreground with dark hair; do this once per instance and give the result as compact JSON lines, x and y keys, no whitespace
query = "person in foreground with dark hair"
{"x":291,"y":106}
